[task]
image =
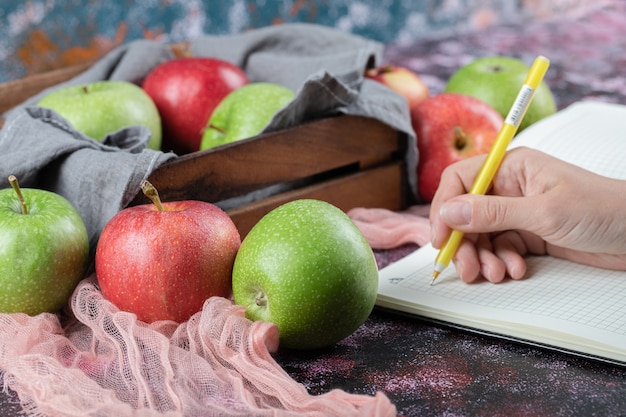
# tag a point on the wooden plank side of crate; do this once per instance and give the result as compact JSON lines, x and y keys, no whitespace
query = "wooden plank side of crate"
{"x":381,"y":187}
{"x":310,"y":149}
{"x":15,"y":92}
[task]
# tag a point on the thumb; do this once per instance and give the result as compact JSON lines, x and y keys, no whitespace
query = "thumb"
{"x":482,"y":214}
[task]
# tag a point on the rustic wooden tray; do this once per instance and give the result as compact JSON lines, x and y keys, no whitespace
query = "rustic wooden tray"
{"x":348,"y":161}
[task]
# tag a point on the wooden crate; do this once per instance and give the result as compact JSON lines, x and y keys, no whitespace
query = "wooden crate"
{"x":348,"y":161}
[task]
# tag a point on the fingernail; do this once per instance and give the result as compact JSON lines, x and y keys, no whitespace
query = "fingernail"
{"x":458,"y":266}
{"x":456,"y":213}
{"x":485,"y":272}
{"x":433,"y":233}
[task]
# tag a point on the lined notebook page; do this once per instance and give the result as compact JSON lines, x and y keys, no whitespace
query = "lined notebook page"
{"x":589,"y":134}
{"x":562,"y":303}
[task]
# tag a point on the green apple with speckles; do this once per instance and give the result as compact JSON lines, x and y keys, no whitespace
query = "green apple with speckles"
{"x":244,"y":113}
{"x":44,"y":250}
{"x":102,"y":107}
{"x":306,"y":268}
{"x":496,"y":80}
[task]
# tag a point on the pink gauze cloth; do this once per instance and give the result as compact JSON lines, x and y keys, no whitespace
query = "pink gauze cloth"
{"x":105,"y":362}
{"x":387,"y":229}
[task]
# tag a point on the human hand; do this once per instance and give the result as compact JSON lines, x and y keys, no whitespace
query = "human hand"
{"x":537,"y":205}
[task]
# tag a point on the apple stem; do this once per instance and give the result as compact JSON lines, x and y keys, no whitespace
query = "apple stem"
{"x":85,"y":90}
{"x":18,"y":191}
{"x":219,"y":129}
{"x":151,"y":192}
{"x":460,"y":138}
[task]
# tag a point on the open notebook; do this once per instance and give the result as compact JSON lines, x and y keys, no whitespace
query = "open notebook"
{"x":562,"y":305}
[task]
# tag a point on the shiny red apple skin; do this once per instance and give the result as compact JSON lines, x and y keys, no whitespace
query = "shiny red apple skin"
{"x":163,"y":265}
{"x":450,"y":127}
{"x":401,"y":80}
{"x":185,"y":91}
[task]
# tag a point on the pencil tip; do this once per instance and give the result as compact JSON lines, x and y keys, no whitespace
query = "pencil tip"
{"x":435,"y":275}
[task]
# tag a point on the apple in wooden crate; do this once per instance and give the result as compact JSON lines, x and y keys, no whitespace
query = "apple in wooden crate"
{"x":103,"y":107}
{"x":163,"y":260}
{"x":401,"y":80}
{"x":450,"y":127}
{"x":44,"y":249}
{"x":244,"y":113}
{"x":186,"y":91}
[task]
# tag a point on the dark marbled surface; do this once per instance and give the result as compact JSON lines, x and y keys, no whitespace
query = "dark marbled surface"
{"x":431,"y":370}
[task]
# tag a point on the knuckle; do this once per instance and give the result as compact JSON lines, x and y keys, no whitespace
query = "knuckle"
{"x":493,"y":215}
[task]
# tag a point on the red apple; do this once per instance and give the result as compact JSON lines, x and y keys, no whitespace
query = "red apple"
{"x":185,"y":91}
{"x":450,"y":127}
{"x":401,"y":80}
{"x":162,"y":261}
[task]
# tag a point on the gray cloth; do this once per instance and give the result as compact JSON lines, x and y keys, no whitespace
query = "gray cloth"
{"x":322,"y":65}
{"x":44,"y":151}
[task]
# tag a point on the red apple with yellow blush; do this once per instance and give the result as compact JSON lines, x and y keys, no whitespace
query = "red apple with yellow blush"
{"x":186,"y":91}
{"x":450,"y":127}
{"x":401,"y":80}
{"x":162,"y":261}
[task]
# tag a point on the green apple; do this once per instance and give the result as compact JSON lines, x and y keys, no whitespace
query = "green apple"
{"x":244,"y":113}
{"x":497,"y":80}
{"x":44,"y":250}
{"x":103,"y":107}
{"x":306,"y":268}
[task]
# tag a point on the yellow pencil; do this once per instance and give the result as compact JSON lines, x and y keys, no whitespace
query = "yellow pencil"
{"x":496,"y":154}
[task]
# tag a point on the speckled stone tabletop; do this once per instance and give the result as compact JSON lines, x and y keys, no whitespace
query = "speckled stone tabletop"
{"x":428,"y":369}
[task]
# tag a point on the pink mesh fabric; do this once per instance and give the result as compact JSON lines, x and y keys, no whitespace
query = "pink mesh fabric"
{"x":106,"y":363}
{"x":386,"y":229}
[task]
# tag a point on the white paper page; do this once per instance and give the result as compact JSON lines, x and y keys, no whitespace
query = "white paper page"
{"x":560,"y":296}
{"x":589,"y":134}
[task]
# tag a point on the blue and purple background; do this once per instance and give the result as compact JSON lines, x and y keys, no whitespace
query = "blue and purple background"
{"x":39,"y":35}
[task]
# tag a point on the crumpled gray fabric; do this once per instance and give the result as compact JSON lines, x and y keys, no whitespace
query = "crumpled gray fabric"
{"x":44,"y":151}
{"x":322,"y":65}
